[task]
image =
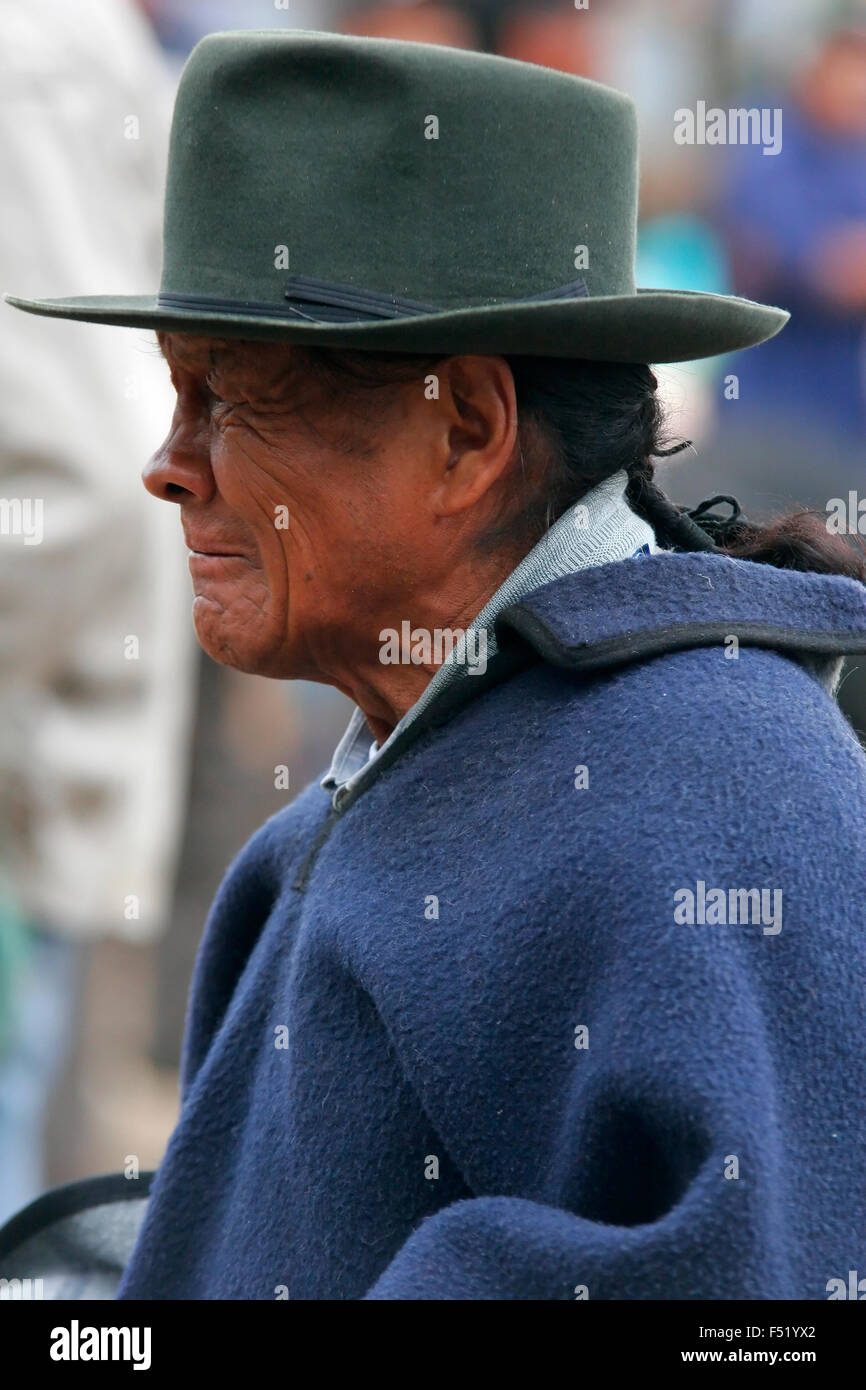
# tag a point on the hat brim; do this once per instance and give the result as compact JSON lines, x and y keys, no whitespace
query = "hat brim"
{"x":653,"y":325}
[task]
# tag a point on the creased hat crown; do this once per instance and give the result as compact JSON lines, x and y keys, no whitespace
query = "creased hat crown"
{"x":447,"y":177}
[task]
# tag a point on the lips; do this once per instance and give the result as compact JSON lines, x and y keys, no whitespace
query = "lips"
{"x":216,"y":554}
{"x":217,"y":546}
{"x":206,"y":566}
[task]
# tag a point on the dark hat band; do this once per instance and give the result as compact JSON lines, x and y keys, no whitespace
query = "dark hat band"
{"x":339,"y":303}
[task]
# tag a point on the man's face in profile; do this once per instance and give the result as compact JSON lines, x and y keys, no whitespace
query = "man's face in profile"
{"x":286,"y":494}
{"x":318,"y":512}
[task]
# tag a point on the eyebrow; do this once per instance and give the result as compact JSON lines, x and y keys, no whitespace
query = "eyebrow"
{"x":215,"y":352}
{"x":224,"y":355}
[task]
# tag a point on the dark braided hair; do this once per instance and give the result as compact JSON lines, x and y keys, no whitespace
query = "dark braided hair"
{"x":579,"y":423}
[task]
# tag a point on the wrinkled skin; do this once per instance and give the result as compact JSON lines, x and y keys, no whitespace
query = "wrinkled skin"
{"x":387,"y":494}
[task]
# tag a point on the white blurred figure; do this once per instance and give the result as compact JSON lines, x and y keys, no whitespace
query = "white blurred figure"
{"x":96,"y":653}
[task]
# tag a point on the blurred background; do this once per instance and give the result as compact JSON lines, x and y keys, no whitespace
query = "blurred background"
{"x":132,"y":768}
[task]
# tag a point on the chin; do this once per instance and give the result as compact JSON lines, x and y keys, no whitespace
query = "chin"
{"x":253,"y":652}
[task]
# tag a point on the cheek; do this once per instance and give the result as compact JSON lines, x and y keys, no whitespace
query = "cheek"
{"x":256,"y":498}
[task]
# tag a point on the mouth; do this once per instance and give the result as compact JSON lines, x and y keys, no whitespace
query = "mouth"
{"x":212,"y":561}
{"x":216,"y":554}
{"x":215,"y":562}
{"x":204,"y":547}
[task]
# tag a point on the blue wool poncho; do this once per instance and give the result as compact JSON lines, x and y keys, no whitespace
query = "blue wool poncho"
{"x":567,"y":1000}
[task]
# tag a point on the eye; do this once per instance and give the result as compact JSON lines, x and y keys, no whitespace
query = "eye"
{"x":217,"y":406}
{"x":210,"y":388}
{"x":216,"y":395}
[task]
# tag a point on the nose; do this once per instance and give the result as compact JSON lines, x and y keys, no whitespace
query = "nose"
{"x":180,"y":468}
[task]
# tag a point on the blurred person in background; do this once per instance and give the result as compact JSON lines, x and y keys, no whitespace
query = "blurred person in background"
{"x":796,"y":228}
{"x":95,"y":648}
{"x":791,"y":420}
{"x":419,"y":21}
{"x":552,"y":35}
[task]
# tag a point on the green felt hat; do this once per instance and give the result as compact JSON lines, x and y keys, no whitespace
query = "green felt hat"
{"x":367,"y":193}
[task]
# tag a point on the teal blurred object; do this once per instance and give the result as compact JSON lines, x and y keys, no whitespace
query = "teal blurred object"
{"x":680,"y":251}
{"x":14,"y":941}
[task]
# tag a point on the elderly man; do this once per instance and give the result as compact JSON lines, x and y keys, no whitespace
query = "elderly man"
{"x":548,"y":988}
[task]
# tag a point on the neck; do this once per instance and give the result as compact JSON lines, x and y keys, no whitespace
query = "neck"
{"x":384,"y":662}
{"x":411,"y":642}
{"x":412,"y":636}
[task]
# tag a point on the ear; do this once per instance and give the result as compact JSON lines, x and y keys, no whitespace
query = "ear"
{"x":478,"y":420}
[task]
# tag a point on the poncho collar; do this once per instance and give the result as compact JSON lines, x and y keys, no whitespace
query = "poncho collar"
{"x":610,"y":615}
{"x":606,"y":618}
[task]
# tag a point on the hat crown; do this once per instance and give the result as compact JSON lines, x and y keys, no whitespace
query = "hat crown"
{"x":447,"y":177}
